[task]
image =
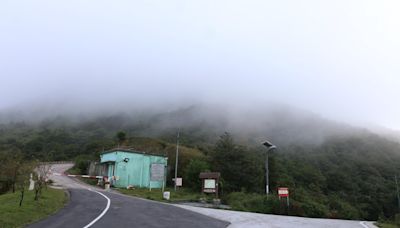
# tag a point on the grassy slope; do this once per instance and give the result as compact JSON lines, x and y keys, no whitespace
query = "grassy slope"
{"x":156,"y":194}
{"x":11,"y":215}
{"x":152,"y":145}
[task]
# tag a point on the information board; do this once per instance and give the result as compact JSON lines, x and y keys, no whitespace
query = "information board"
{"x":179,"y":181}
{"x":157,"y":172}
{"x":209,"y":183}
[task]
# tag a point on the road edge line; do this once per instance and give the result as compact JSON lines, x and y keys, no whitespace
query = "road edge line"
{"x":363,"y":224}
{"x":102,"y":213}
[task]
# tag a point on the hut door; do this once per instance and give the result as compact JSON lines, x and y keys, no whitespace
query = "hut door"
{"x":110,"y":170}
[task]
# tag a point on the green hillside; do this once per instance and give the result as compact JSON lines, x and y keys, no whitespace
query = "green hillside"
{"x":347,"y":176}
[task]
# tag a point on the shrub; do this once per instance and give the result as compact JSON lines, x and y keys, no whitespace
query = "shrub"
{"x":82,"y":163}
{"x":254,"y":202}
{"x":192,"y":172}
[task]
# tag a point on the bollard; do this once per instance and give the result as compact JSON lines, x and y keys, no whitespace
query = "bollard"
{"x":107,"y":186}
{"x":166,"y":195}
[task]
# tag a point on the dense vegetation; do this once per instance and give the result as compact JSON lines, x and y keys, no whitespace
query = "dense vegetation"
{"x":347,"y":176}
{"x":350,"y":178}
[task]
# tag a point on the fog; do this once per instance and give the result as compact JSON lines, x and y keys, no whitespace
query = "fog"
{"x":339,"y":60}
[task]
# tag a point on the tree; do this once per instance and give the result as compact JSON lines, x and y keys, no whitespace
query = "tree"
{"x":16,"y":161}
{"x":25,"y":171}
{"x":121,"y":135}
{"x":240,"y":168}
{"x":192,"y":171}
{"x":41,"y":178}
{"x":11,"y":159}
{"x":82,"y":163}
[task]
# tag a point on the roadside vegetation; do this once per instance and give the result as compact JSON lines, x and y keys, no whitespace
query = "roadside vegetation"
{"x":181,"y":195}
{"x":19,"y":205}
{"x":387,"y":225}
{"x":12,"y":215}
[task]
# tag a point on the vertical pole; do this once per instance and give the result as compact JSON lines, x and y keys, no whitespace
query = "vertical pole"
{"x":176,"y":159}
{"x":217,"y":187}
{"x":150,"y":177}
{"x":266,"y":175}
{"x":397,"y":188}
{"x":163,"y":183}
{"x":141,"y":173}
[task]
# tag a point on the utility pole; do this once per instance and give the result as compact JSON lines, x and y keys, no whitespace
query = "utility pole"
{"x":397,"y":188}
{"x":176,"y":159}
{"x":266,"y":175}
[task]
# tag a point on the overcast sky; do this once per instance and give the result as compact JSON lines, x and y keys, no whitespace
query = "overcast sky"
{"x":337,"y":58}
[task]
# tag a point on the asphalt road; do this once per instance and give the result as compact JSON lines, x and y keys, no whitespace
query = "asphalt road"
{"x":93,"y":207}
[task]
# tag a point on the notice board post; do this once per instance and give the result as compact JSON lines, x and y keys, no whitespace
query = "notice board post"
{"x":157,"y":174}
{"x":209,"y":182}
{"x":284,"y":192}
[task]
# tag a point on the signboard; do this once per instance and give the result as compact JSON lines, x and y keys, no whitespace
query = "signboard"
{"x":209,"y":183}
{"x":283,"y":192}
{"x":157,"y":172}
{"x":179,"y":182}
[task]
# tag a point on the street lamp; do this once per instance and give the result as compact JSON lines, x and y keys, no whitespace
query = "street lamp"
{"x":269,"y":146}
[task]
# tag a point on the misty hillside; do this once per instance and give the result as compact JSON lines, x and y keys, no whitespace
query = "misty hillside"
{"x":281,"y":124}
{"x":198,"y":124}
{"x":312,"y":78}
{"x":332,"y":168}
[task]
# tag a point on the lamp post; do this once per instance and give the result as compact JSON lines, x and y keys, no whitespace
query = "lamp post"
{"x":269,"y":146}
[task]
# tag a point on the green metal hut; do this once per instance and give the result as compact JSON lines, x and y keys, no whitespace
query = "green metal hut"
{"x":134,"y":168}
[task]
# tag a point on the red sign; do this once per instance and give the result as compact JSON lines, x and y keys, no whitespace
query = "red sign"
{"x":283,"y":192}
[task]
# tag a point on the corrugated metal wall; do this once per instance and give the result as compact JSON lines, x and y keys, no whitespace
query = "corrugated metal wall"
{"x":135,"y":170}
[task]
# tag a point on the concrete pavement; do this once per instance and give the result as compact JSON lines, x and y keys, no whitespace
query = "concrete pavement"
{"x":240,"y":219}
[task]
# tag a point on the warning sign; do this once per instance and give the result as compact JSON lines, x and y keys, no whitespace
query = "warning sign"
{"x":283,"y":192}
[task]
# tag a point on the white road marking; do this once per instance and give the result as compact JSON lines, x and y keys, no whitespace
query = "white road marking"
{"x":102,"y":213}
{"x":364,"y":225}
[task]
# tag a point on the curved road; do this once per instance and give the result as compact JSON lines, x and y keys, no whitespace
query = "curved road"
{"x":93,"y":207}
